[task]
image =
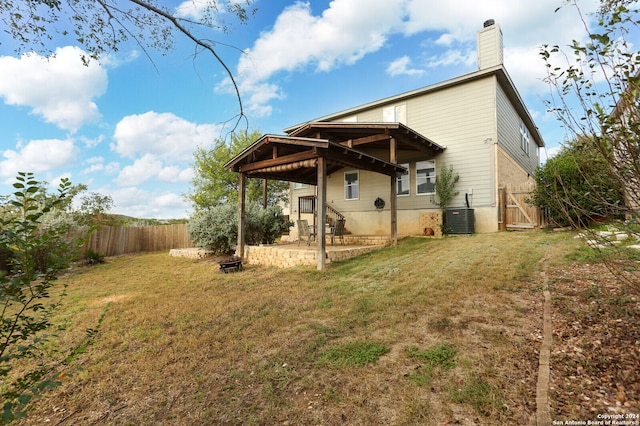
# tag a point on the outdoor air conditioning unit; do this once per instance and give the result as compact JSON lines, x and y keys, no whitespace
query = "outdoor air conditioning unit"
{"x":460,"y":220}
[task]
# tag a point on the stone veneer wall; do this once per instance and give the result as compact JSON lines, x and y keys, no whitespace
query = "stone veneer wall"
{"x":511,"y":174}
{"x":287,"y":258}
{"x":365,"y":240}
{"x":432,"y":220}
{"x":191,"y":253}
{"x":272,"y":256}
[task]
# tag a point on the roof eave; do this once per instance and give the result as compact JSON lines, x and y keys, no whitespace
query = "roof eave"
{"x":410,"y":136}
{"x":499,"y":71}
{"x":233,"y":164}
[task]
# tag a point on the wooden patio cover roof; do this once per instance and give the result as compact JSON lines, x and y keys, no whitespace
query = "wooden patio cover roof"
{"x":294,"y":157}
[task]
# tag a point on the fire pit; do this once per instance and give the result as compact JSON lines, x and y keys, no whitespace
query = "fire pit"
{"x":231,"y":264}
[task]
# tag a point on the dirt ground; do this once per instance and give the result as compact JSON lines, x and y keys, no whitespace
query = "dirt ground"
{"x":595,"y":354}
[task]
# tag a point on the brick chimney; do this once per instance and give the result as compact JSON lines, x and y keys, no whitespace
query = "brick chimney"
{"x":490,"y":50}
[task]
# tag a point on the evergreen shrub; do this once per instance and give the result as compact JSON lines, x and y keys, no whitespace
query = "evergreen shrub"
{"x":216,"y":228}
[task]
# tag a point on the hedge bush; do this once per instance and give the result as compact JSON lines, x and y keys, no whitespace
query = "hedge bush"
{"x":216,"y":229}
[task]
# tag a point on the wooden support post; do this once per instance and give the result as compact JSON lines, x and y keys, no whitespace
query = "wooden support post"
{"x":322,"y":212}
{"x":264,"y":193}
{"x":241,"y":215}
{"x":502,"y":197}
{"x":393,"y":196}
{"x":394,"y":211}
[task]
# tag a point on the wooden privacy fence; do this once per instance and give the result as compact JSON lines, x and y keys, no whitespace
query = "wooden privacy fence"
{"x":516,"y":213}
{"x":117,"y":240}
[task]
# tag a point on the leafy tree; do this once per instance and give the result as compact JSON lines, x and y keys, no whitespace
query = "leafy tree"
{"x":94,"y":209}
{"x":595,"y":95}
{"x":446,"y":181}
{"x":103,"y":26}
{"x":265,"y":225}
{"x":214,"y":185}
{"x":66,"y":203}
{"x":36,"y":257}
{"x":566,"y":184}
{"x":608,"y":6}
{"x":215,"y":228}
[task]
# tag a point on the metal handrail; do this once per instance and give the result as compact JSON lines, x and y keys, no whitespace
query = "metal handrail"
{"x":308,"y":205}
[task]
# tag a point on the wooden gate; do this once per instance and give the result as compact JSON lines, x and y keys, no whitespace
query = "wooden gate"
{"x":516,"y":213}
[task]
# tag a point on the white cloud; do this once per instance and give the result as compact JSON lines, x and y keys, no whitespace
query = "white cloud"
{"x":96,"y":165}
{"x":401,"y":67}
{"x":171,"y":201}
{"x":93,"y":168}
{"x":446,"y":40}
{"x":164,"y":135}
{"x":342,"y":35}
{"x":174,"y":174}
{"x":546,"y":154}
{"x":519,"y":19}
{"x":115,"y":59}
{"x":136,"y":202}
{"x":112,"y":168}
{"x":141,"y":171}
{"x":349,"y":29}
{"x":60,"y":88}
{"x":38,"y":156}
{"x":129,"y":201}
{"x":149,"y":167}
{"x":91,"y":142}
{"x":192,"y":9}
{"x":526,"y":69}
{"x":453,"y":57}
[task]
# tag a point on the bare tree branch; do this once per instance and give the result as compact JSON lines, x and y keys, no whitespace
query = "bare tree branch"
{"x":199,"y":42}
{"x":101,"y":26}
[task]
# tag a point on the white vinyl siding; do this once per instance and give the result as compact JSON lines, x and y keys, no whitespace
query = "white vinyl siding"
{"x":510,"y":134}
{"x":460,"y":118}
{"x":370,"y":116}
{"x":490,"y":50}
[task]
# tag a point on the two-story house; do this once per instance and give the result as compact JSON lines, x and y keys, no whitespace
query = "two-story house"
{"x":376,"y":164}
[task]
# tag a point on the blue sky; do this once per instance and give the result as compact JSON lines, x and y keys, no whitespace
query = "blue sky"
{"x":127,"y":127}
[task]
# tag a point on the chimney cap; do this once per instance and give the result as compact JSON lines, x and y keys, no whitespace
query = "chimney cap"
{"x":489,"y":22}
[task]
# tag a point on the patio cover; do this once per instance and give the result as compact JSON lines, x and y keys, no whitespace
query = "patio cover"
{"x":294,"y":159}
{"x":371,"y":135}
{"x":315,"y":150}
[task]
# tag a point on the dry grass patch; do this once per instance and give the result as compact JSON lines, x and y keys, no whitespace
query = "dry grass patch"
{"x":422,"y":333}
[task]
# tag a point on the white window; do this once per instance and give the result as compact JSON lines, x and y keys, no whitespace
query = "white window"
{"x":402,"y":183}
{"x":524,"y":138}
{"x":395,"y":114}
{"x":298,"y":185}
{"x":351,"y":186}
{"x":426,"y":177}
